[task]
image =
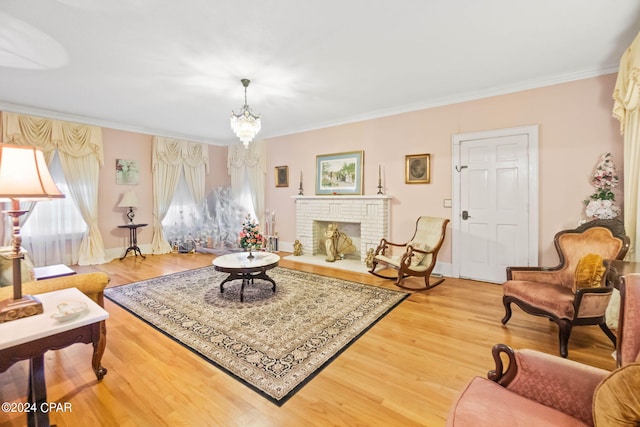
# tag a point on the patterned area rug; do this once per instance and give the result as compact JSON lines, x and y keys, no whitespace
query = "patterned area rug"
{"x":272,"y":342}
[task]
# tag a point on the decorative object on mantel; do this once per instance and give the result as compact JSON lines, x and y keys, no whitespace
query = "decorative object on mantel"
{"x":250,"y":236}
{"x":129,"y":200}
{"x":601,"y":204}
{"x":380,"y":180}
{"x":300,"y":193}
{"x":337,"y":244}
{"x":244,"y":123}
{"x":339,"y":173}
{"x":297,"y":248}
{"x":23,"y":176}
{"x":417,"y":169}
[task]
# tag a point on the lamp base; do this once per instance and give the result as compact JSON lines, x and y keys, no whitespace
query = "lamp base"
{"x":12,"y":309}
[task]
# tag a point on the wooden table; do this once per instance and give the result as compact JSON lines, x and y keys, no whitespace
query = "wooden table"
{"x":133,"y":239}
{"x":241,"y":267}
{"x":30,"y":337}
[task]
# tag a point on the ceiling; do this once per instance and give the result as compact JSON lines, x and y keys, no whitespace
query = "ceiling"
{"x":173,"y":68}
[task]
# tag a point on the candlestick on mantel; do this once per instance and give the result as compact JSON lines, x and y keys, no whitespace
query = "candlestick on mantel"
{"x":380,"y":179}
{"x":300,"y":189}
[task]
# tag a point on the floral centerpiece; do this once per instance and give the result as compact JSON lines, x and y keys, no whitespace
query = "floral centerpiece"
{"x":601,"y":204}
{"x":250,"y":237}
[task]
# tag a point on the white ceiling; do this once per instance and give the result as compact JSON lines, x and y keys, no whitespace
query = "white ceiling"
{"x":173,"y":68}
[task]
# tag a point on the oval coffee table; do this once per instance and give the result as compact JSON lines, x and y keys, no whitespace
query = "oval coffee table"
{"x":241,"y":267}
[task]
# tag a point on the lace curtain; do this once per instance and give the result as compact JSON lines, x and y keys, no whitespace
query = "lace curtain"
{"x":79,"y":148}
{"x":247,"y":168}
{"x":170,"y":158}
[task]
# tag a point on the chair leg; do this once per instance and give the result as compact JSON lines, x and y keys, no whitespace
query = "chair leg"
{"x":507,"y":310}
{"x":564,"y":332}
{"x":608,"y":332}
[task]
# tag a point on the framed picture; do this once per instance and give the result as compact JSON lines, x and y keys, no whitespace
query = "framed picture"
{"x":127,"y":172}
{"x":282,"y":176}
{"x":340,"y":173}
{"x":417,"y":169}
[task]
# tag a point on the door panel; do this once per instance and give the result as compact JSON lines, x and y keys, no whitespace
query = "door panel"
{"x":494,"y":191}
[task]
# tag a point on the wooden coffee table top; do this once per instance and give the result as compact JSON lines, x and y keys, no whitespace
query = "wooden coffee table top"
{"x":240,"y":261}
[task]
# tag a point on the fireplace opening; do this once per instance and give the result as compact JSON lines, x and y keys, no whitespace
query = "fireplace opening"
{"x":350,"y":229}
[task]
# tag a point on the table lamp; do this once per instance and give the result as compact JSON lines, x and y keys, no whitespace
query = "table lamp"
{"x":24,"y":176}
{"x":129,"y":200}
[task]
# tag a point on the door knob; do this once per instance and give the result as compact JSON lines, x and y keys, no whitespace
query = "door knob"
{"x":465,"y":215}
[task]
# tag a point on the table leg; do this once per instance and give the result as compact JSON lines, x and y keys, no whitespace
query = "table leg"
{"x":37,"y":393}
{"x":99,"y":345}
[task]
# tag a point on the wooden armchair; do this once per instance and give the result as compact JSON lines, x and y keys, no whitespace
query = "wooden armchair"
{"x":576,"y":291}
{"x":538,"y":389}
{"x":419,"y":254}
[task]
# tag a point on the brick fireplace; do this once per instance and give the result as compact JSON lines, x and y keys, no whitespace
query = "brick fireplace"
{"x":367,"y":214}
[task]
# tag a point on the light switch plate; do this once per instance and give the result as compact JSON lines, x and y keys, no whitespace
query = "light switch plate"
{"x":446,"y":203}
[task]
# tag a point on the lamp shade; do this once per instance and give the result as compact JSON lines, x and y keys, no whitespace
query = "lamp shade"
{"x":24,"y":174}
{"x":129,"y":200}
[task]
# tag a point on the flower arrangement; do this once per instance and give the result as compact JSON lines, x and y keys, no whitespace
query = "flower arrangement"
{"x":250,"y":236}
{"x":601,"y":204}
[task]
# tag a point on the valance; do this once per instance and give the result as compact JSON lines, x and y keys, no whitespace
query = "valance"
{"x":73,"y":139}
{"x":176,"y":151}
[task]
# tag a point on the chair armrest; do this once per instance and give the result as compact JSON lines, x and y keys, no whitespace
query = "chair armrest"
{"x":535,"y":274}
{"x":553,"y":381}
{"x":384,"y":245}
{"x":90,"y":284}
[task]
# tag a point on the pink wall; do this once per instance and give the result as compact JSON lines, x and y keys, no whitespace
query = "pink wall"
{"x":135,"y":146}
{"x":575,"y":128}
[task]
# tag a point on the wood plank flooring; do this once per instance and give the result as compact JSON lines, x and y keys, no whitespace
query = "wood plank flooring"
{"x":405,"y":371}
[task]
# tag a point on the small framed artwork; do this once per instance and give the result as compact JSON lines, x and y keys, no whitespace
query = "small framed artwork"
{"x":127,"y":172}
{"x":417,"y":169}
{"x":282,"y":176}
{"x":339,"y":173}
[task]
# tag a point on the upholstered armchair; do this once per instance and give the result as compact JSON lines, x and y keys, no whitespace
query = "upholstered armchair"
{"x":576,"y":291}
{"x":418,"y":256}
{"x":538,"y":389}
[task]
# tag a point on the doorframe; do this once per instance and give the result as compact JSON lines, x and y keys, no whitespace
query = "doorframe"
{"x":532,"y":145}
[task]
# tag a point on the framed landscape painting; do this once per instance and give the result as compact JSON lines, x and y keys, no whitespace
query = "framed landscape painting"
{"x":417,"y":169}
{"x":339,"y":173}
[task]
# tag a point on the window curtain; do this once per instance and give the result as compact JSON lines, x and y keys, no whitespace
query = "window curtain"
{"x":626,"y":97}
{"x":169,"y":158}
{"x":80,"y":150}
{"x":247,"y":166}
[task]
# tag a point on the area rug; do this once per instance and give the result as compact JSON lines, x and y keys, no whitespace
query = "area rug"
{"x":272,"y":342}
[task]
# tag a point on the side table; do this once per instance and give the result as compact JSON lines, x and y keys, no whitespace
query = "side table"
{"x":31,"y":337}
{"x":133,"y":239}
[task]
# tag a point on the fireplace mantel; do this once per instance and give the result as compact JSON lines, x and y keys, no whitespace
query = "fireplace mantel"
{"x":370,"y":211}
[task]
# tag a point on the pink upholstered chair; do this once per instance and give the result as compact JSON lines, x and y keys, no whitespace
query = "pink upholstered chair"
{"x":557,"y":292}
{"x":538,"y":389}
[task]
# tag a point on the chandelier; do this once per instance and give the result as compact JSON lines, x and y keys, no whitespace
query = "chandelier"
{"x":244,"y":123}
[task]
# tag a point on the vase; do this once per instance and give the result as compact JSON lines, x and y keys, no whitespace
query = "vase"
{"x":251,"y":256}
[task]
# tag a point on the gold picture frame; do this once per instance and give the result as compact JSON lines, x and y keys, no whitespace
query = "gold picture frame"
{"x":417,"y":169}
{"x":282,"y":176}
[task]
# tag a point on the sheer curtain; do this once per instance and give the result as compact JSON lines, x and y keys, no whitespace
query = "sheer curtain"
{"x":247,"y":168}
{"x":55,"y":228}
{"x":80,"y":150}
{"x":169,"y":159}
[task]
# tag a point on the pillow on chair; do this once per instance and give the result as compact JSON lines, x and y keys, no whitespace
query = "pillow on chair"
{"x":589,"y":272}
{"x":417,"y":256}
{"x":616,"y":401}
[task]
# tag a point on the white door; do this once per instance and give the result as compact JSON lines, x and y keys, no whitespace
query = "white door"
{"x":495,"y":210}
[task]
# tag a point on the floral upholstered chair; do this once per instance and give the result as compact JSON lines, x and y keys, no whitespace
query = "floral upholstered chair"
{"x":418,"y":255}
{"x":576,"y":291}
{"x":538,"y":389}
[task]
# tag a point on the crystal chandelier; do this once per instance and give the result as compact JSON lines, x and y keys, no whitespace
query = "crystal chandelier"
{"x":245,"y":123}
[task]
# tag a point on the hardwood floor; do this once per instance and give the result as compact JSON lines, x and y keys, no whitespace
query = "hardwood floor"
{"x":405,"y":371}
